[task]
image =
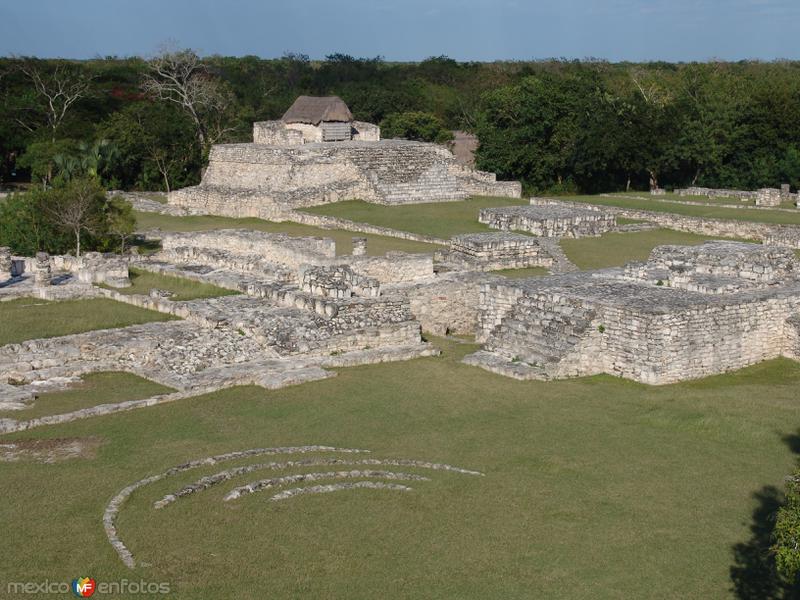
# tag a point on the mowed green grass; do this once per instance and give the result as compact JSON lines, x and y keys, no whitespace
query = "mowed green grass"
{"x":30,"y":318}
{"x":593,"y":488}
{"x":93,"y":389}
{"x":376,"y":244}
{"x":522,"y":273}
{"x":616,"y":249}
{"x":182,"y":289}
{"x":691,"y":210}
{"x":438,"y":219}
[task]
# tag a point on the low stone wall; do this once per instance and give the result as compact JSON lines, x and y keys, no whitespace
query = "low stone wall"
{"x":786,"y":235}
{"x":273,"y":247}
{"x":449,"y":303}
{"x":549,"y":220}
{"x":326,"y":222}
{"x":393,"y":267}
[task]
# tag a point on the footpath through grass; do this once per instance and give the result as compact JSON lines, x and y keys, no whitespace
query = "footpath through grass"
{"x":181,"y":288}
{"x":376,"y":244}
{"x":593,"y":488}
{"x":439,"y":219}
{"x":93,"y":389}
{"x":30,"y":318}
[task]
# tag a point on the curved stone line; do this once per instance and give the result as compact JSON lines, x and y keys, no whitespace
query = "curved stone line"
{"x":308,"y":477}
{"x":337,"y":487}
{"x":256,"y":486}
{"x":206,"y":482}
{"x":110,"y":514}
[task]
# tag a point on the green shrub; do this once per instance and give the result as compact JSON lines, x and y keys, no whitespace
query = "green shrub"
{"x":419,"y":126}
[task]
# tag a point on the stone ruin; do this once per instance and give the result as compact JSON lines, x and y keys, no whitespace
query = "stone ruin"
{"x":294,"y":163}
{"x":495,"y":251}
{"x":687,"y":312}
{"x":549,"y":220}
{"x":765,"y":197}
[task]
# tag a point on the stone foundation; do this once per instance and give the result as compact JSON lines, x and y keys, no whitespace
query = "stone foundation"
{"x":549,"y":220}
{"x":688,"y":312}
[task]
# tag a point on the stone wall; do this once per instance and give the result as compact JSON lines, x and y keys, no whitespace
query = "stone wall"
{"x":272,"y":247}
{"x":393,"y":267}
{"x":549,"y":220}
{"x":769,"y":233}
{"x":646,"y":328}
{"x":494,"y":251}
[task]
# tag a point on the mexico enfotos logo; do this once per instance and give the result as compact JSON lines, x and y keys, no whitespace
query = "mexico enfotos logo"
{"x":88,"y":587}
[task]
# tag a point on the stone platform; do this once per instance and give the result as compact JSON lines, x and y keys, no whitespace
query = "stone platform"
{"x":549,"y":220}
{"x":688,"y":312}
{"x":259,"y":180}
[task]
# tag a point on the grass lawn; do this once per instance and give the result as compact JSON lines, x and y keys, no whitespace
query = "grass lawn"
{"x":376,"y":244}
{"x":616,"y":249}
{"x":593,"y":488}
{"x":94,"y":389}
{"x":29,"y":318}
{"x":439,"y":219}
{"x":708,"y":212}
{"x":522,"y":273}
{"x":183,"y":289}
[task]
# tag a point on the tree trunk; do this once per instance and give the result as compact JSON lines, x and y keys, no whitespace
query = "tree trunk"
{"x":696,"y":177}
{"x":628,"y":184}
{"x":78,"y":243}
{"x":653,"y":179}
{"x":166,"y":179}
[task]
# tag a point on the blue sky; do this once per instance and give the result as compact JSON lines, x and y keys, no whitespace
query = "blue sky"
{"x":675,"y":30}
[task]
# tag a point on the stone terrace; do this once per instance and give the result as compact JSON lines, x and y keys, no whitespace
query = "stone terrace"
{"x":688,"y":312}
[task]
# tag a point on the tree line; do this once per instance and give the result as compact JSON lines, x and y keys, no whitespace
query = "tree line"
{"x":556,"y":125}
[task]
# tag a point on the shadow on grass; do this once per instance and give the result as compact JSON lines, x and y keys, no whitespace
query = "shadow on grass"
{"x":753,"y":572}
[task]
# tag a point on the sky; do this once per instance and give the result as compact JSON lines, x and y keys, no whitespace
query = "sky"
{"x":408,"y":30}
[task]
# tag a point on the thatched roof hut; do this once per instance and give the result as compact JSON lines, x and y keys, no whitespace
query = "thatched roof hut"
{"x":318,"y":109}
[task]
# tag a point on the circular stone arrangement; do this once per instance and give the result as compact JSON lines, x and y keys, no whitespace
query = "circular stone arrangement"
{"x":363,"y":477}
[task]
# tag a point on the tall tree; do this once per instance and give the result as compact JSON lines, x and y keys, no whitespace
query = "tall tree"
{"x":181,"y":77}
{"x":56,"y":90}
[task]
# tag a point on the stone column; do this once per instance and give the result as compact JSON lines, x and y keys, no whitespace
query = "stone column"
{"x":359,"y":246}
{"x":41,"y":269}
{"x":5,"y":263}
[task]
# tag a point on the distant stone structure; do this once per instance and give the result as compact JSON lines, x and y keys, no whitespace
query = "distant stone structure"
{"x":768,"y":197}
{"x":549,"y":220}
{"x":315,"y":154}
{"x":687,"y":312}
{"x":494,"y":251}
{"x":313,"y":119}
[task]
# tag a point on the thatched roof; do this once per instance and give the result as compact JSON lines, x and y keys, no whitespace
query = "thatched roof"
{"x":315,"y":109}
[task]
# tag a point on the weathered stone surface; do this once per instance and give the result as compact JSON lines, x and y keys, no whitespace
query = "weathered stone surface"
{"x":267,"y":180}
{"x":494,"y":251}
{"x":686,"y":313}
{"x":549,"y":220}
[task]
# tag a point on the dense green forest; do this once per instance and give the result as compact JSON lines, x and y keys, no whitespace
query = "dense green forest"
{"x":555,"y":125}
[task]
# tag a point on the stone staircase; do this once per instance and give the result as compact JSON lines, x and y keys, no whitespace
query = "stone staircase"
{"x":536,"y":339}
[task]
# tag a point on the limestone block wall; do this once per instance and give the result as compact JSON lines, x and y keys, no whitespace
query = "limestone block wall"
{"x":708,"y":340}
{"x":448,"y":303}
{"x":393,"y":267}
{"x":366,"y":132}
{"x":549,"y":220}
{"x":768,"y":197}
{"x":275,"y":247}
{"x":570,"y":335}
{"x":785,"y":235}
{"x":276,"y":133}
